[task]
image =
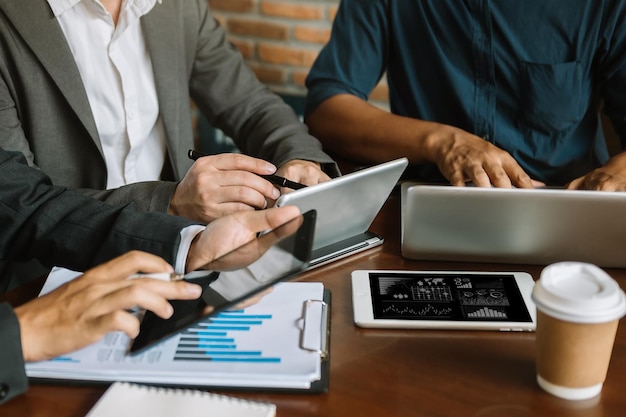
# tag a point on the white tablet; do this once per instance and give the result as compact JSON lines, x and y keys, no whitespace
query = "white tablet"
{"x":443,"y":300}
{"x":346,"y":207}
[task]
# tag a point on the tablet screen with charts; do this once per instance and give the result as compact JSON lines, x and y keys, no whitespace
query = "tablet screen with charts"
{"x":443,"y":300}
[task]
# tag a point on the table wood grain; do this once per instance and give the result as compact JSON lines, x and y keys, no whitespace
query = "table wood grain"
{"x":394,"y":372}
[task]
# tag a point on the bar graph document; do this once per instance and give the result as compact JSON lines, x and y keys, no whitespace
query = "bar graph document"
{"x":278,"y":343}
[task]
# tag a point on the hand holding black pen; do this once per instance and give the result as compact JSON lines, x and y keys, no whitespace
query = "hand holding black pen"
{"x":222,"y":184}
{"x":274,"y":179}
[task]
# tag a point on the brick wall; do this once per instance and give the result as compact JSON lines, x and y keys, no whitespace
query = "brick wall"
{"x":280,"y":39}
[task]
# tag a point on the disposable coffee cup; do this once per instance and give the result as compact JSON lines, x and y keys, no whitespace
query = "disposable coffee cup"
{"x":578,"y":310}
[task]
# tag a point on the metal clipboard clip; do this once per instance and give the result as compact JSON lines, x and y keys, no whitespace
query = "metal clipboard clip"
{"x":315,"y":325}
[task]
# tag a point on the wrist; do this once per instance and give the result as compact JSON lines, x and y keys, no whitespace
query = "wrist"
{"x":172,"y":209}
{"x":189,"y":262}
{"x":433,"y":142}
{"x":23,"y":331}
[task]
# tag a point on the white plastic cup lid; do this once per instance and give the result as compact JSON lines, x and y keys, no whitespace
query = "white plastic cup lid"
{"x":579,"y":292}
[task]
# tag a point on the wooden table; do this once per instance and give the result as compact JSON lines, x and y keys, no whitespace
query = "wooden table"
{"x":393,"y":372}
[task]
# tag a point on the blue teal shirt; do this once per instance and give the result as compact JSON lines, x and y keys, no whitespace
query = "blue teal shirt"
{"x":526,"y":75}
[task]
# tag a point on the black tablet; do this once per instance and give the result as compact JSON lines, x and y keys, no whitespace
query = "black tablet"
{"x":275,"y":256}
{"x":464,"y":300}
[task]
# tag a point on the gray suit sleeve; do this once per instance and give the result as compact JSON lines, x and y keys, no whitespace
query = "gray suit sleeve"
{"x":13,"y":380}
{"x":60,"y":227}
{"x":54,"y":224}
{"x":68,"y":158}
{"x":235,"y":101}
{"x":146,"y":196}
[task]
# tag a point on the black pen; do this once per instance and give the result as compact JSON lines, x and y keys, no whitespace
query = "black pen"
{"x":274,"y":179}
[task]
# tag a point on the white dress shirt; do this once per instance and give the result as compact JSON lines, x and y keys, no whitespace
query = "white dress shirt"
{"x":116,"y":71}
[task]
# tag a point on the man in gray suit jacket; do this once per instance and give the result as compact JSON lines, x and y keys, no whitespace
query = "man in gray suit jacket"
{"x":61,"y":227}
{"x":50,"y":101}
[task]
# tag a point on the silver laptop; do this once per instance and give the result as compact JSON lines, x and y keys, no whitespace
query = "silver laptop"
{"x":346,"y":207}
{"x":524,"y":226}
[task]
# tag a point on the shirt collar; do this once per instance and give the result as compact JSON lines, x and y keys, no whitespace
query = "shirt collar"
{"x":60,"y":6}
{"x":140,"y":6}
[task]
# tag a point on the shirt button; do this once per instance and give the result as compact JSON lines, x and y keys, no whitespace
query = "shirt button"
{"x":4,"y":391}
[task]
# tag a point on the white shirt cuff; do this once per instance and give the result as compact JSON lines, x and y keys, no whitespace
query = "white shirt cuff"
{"x":186,"y":237}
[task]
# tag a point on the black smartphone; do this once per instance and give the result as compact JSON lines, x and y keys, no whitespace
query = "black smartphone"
{"x":275,"y":256}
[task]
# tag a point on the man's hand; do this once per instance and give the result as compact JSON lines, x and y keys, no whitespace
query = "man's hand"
{"x":217,"y":185}
{"x":610,"y":177}
{"x":463,"y":157}
{"x":82,"y":311}
{"x":357,"y":130}
{"x":228,"y":233}
{"x":300,"y":171}
{"x":304,"y":172}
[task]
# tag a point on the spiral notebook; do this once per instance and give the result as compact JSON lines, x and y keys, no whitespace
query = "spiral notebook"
{"x":123,"y":399}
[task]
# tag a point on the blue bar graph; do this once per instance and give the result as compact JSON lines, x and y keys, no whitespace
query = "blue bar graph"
{"x":65,"y":359}
{"x":215,"y":339}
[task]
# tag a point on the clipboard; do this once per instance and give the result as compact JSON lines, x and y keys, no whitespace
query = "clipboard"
{"x":320,"y":386}
{"x":290,"y":299}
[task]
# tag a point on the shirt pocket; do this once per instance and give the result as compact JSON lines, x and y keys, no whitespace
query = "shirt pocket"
{"x":554,"y":97}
